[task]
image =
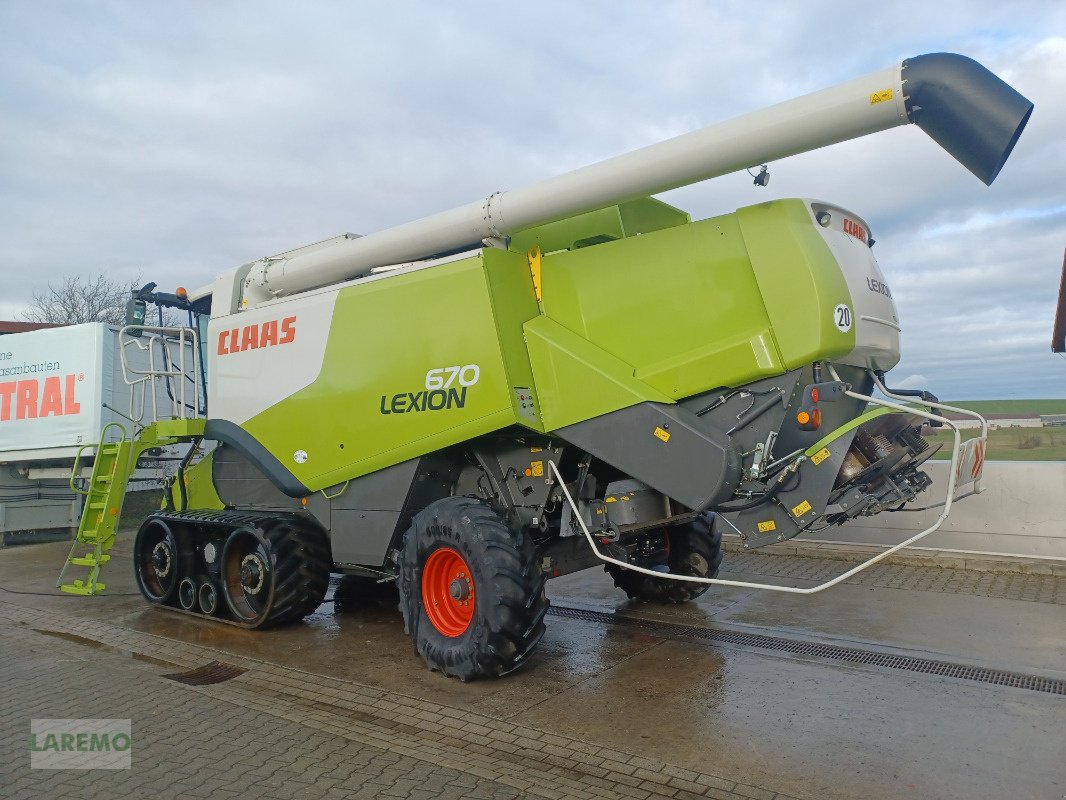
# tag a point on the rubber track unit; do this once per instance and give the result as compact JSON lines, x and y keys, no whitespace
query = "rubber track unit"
{"x":302,"y":561}
{"x":696,"y":540}
{"x":508,"y":621}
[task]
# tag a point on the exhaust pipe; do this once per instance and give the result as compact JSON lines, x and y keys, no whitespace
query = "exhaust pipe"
{"x":966,"y":109}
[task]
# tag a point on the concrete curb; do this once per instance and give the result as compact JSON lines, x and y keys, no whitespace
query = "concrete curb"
{"x":911,"y":558}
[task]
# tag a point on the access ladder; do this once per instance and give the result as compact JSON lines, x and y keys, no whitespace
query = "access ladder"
{"x":115,"y":462}
{"x":155,"y":361}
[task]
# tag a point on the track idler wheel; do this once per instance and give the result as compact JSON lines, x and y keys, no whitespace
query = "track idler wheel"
{"x":274,"y":575}
{"x":156,"y":561}
{"x":187,"y":594}
{"x":208,"y":597}
{"x":471,"y":590}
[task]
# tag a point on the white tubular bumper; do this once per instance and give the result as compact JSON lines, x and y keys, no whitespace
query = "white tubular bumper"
{"x":950,"y":496}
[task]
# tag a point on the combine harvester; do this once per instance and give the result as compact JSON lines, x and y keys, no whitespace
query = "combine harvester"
{"x":557,"y":377}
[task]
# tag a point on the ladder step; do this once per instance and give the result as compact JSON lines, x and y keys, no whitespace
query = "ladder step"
{"x":90,"y":560}
{"x":78,"y":587}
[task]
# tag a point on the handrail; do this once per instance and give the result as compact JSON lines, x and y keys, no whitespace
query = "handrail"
{"x":77,"y":456}
{"x":777,"y":587}
{"x":177,"y":348}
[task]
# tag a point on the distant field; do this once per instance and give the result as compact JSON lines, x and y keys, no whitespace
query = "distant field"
{"x":1012,"y":406}
{"x":1013,"y":444}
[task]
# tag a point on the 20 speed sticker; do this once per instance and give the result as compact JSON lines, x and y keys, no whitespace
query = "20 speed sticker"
{"x":842,"y":318}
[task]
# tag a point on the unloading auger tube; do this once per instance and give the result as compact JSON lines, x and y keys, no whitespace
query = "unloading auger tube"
{"x":966,"y":109}
{"x":910,"y":409}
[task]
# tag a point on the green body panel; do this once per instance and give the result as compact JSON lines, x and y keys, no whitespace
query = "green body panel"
{"x":680,"y":305}
{"x":638,"y":304}
{"x":576,"y":380}
{"x":799,"y":280}
{"x":199,"y":487}
{"x":513,"y":303}
{"x":640,"y":216}
{"x":178,"y":429}
{"x":385,"y":335}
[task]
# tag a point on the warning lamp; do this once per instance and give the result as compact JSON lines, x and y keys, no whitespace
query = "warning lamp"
{"x":809,"y":416}
{"x":182,"y":292}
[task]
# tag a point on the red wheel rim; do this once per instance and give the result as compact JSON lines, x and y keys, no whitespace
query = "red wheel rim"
{"x":448,"y":592}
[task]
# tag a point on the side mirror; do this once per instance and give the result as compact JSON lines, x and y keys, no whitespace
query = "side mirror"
{"x":136,"y":309}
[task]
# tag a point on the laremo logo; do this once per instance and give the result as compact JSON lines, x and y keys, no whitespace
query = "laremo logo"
{"x":80,"y":744}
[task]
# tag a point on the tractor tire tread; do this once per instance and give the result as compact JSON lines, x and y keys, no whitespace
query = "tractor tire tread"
{"x":506,"y":570}
{"x":698,"y":536}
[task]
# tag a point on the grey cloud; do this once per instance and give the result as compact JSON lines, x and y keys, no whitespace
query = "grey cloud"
{"x":180,"y":140}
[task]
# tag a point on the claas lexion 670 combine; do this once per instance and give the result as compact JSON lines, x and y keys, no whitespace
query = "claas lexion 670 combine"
{"x":553,"y":378}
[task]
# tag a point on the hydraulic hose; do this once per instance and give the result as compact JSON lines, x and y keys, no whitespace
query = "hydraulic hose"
{"x":769,"y":494}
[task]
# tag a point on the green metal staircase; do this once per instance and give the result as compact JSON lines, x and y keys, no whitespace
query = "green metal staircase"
{"x":115,"y":462}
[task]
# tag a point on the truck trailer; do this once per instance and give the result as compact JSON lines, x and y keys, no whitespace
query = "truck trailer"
{"x":562,"y":376}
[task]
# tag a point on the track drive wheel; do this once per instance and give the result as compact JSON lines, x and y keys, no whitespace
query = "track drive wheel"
{"x":693,"y":548}
{"x":156,"y":561}
{"x":471,"y":590}
{"x":275,"y":574}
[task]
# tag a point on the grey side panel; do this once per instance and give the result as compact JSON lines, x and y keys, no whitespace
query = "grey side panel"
{"x":966,"y":109}
{"x":696,"y":464}
{"x":241,"y":484}
{"x":361,"y":537}
{"x":229,"y":433}
{"x":366,"y":516}
{"x":795,"y":508}
{"x":370,"y":517}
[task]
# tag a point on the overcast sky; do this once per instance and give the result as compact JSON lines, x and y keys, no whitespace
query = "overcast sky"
{"x":177,"y":140}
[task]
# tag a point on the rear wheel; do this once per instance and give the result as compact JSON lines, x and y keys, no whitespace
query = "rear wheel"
{"x":693,"y":548}
{"x":471,"y":590}
{"x":275,"y":575}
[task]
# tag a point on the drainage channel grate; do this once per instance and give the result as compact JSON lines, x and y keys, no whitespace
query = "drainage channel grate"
{"x":854,"y":655}
{"x":215,"y":672}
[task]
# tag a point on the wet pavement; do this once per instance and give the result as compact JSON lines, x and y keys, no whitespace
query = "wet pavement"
{"x":746,"y":720}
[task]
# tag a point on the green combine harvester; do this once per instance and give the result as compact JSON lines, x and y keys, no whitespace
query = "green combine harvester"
{"x":553,"y":378}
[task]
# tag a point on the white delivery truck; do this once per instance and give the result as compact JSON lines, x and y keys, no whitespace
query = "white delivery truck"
{"x":59,"y":388}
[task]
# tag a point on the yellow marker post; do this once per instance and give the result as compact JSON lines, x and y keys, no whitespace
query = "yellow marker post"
{"x":534,"y":259}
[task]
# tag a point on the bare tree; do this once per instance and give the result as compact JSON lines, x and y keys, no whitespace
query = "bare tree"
{"x":81,"y":298}
{"x":93,"y":298}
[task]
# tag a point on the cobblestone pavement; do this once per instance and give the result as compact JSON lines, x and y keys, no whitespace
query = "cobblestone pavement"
{"x":279,"y":733}
{"x":1034,"y":588}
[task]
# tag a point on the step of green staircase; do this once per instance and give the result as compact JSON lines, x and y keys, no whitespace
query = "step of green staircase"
{"x":82,"y":588}
{"x":90,"y":560}
{"x":114,"y":463}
